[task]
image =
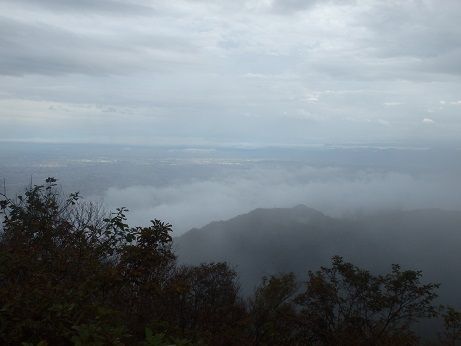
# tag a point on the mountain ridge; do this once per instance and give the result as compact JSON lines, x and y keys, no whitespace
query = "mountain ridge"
{"x":267,"y":241}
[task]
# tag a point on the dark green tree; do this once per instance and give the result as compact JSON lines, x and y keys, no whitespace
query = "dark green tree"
{"x":347,"y":305}
{"x":71,"y":274}
{"x":53,"y":276}
{"x":273,"y":311}
{"x":210,"y":307}
{"x":452,"y":327}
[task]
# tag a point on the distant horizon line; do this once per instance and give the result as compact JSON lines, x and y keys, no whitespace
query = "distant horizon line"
{"x":240,"y":145}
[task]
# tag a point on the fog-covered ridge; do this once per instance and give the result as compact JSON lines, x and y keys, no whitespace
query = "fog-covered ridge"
{"x":269,"y":241}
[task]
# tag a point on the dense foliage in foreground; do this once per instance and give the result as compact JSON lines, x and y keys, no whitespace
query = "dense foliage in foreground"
{"x":71,"y":275}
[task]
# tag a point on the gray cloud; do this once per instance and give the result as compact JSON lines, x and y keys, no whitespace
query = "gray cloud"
{"x":231,"y":72}
{"x":91,"y":6}
{"x":39,"y":48}
{"x":415,"y":29}
{"x":292,"y":6}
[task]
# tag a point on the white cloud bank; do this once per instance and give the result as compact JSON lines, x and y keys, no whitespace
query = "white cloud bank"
{"x":331,"y":190}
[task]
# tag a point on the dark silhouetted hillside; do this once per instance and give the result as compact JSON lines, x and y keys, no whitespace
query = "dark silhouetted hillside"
{"x":268,"y":241}
{"x":71,"y":274}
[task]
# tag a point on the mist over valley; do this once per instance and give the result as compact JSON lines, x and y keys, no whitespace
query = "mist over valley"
{"x":191,"y":187}
{"x":230,"y":173}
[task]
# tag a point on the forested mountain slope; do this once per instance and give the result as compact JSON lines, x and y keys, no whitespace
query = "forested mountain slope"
{"x":268,"y":241}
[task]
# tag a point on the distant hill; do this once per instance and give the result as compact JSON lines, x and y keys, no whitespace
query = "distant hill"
{"x":268,"y":241}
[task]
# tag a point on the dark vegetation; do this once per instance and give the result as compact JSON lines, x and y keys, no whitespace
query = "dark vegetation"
{"x":71,"y":275}
{"x":277,"y":240}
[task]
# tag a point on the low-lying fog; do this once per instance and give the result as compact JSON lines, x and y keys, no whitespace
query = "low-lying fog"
{"x":333,"y":190}
{"x":192,"y":187}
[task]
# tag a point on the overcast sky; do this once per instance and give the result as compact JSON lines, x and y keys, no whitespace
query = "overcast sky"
{"x":246,"y":72}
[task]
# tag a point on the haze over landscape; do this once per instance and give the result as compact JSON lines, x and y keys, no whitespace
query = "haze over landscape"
{"x":190,"y":187}
{"x":271,"y":134}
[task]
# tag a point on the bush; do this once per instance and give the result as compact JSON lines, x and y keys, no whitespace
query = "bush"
{"x":71,"y":274}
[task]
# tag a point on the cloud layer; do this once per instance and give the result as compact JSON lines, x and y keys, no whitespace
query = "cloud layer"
{"x":261,"y":71}
{"x":335,"y":191}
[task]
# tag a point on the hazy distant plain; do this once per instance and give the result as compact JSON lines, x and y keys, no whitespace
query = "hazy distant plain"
{"x":190,"y":187}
